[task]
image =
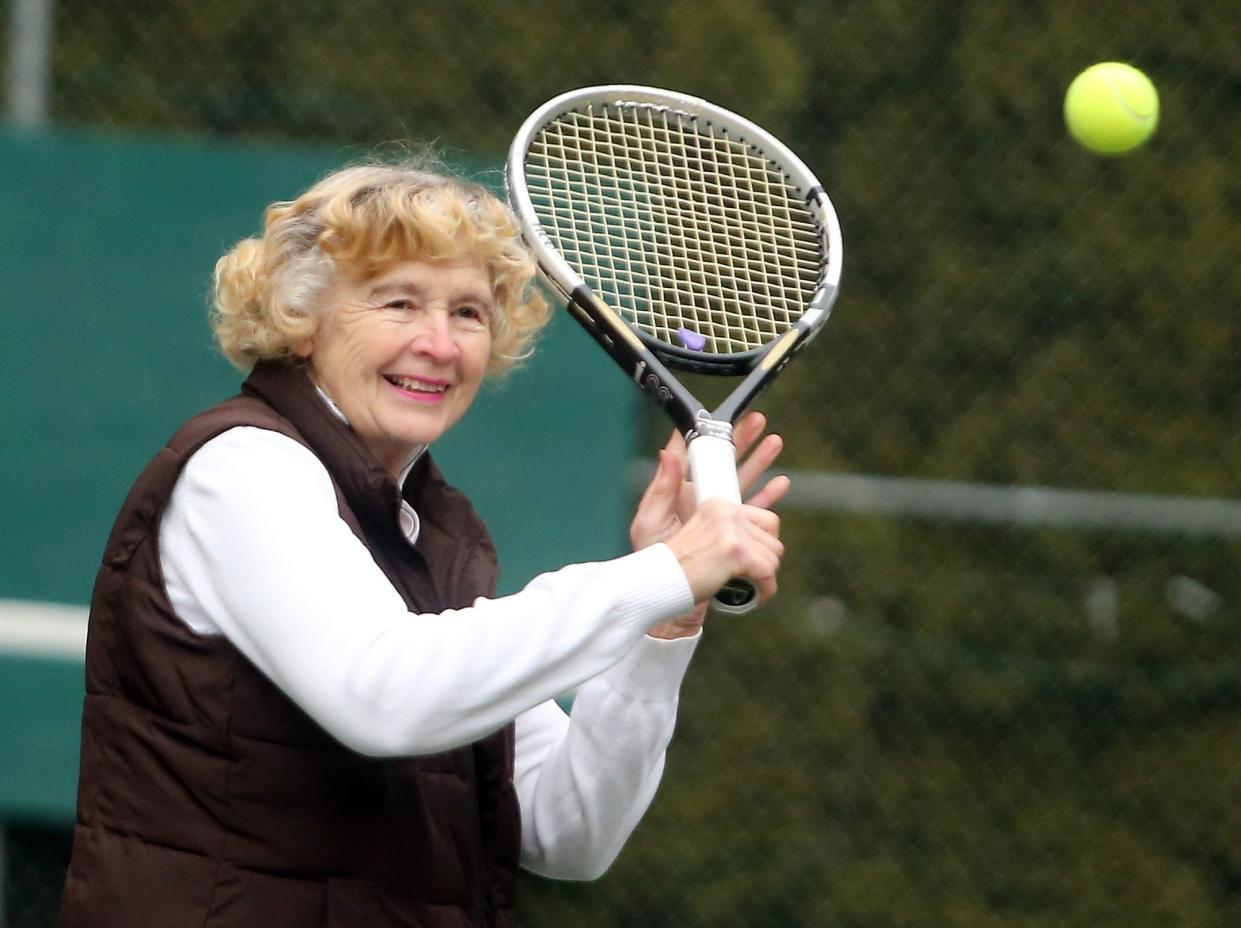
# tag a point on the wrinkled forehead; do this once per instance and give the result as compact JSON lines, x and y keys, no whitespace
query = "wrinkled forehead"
{"x":462,"y":277}
{"x":412,"y":269}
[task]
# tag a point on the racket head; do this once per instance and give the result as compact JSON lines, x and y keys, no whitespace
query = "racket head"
{"x":707,"y":235}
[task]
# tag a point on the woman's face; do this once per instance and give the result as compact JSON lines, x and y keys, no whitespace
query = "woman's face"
{"x":403,"y":353}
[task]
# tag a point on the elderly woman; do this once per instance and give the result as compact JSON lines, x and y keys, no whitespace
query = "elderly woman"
{"x":305,"y":705}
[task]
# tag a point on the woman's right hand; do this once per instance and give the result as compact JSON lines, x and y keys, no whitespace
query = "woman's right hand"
{"x":723,"y":540}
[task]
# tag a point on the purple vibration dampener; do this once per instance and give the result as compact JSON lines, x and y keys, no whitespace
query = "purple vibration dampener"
{"x":691,"y":339}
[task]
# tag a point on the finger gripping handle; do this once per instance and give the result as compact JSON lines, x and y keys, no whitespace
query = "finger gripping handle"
{"x":713,"y":467}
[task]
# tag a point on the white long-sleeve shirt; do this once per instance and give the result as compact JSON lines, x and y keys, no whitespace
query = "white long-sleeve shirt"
{"x":253,"y":548}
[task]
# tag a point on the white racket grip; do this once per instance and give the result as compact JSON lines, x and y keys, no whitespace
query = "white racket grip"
{"x":713,"y":469}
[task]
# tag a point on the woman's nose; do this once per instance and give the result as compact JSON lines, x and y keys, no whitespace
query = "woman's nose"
{"x":434,"y":337}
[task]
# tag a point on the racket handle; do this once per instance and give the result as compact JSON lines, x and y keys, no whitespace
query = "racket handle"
{"x":713,"y":467}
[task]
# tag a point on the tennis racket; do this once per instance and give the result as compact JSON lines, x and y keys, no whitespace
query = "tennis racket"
{"x":683,"y":237}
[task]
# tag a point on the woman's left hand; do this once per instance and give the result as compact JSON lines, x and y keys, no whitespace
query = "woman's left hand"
{"x":669,"y":498}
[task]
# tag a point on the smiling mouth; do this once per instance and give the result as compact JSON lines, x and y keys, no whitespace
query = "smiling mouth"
{"x":416,"y":386}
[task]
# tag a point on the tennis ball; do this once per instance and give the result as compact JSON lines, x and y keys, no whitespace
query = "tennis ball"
{"x":1111,"y":108}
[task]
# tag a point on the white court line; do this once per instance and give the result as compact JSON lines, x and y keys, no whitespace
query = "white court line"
{"x":39,"y":629}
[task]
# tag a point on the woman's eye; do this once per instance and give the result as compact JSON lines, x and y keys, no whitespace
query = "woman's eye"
{"x":399,"y":304}
{"x":473,"y":313}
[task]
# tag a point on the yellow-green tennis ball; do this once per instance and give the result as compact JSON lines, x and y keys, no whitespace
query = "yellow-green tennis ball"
{"x":1111,"y":108}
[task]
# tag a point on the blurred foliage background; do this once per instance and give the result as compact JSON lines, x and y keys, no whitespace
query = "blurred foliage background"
{"x":946,"y":719}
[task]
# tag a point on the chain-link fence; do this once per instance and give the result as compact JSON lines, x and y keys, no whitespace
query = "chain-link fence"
{"x":34,"y":858}
{"x":1002,"y":684}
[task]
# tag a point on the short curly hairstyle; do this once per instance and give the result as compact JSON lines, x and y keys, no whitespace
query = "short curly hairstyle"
{"x":357,"y":221}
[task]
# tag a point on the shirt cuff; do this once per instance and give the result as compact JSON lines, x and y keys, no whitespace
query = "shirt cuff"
{"x":657,"y":588}
{"x":653,"y":669}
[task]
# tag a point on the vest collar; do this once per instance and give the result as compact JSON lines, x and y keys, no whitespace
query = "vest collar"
{"x":372,"y":493}
{"x":340,"y":414}
{"x":445,"y":515}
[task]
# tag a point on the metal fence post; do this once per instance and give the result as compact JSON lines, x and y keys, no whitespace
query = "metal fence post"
{"x":29,"y":77}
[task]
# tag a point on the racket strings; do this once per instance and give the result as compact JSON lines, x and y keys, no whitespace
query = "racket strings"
{"x":676,"y":223}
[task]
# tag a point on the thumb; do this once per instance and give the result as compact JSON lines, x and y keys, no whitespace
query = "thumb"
{"x":656,"y":512}
{"x":668,"y":477}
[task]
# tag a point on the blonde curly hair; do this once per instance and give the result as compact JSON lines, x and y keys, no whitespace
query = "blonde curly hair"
{"x":270,"y":291}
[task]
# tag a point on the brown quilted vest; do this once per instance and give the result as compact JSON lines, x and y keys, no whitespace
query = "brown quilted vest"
{"x":207,"y":799}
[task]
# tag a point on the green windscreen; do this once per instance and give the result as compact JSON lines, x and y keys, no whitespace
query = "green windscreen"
{"x":106,"y":251}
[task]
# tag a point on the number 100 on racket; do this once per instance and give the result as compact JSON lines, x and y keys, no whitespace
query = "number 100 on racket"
{"x":684,"y":238}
